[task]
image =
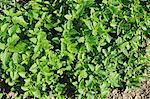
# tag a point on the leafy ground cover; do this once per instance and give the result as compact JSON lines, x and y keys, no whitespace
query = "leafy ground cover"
{"x":73,"y":48}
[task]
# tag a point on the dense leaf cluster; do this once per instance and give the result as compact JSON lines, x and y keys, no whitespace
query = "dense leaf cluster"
{"x":73,"y":48}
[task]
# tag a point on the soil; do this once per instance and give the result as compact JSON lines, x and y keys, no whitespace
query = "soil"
{"x":141,"y":93}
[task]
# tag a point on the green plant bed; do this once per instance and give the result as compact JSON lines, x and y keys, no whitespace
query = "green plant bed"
{"x":74,"y":48}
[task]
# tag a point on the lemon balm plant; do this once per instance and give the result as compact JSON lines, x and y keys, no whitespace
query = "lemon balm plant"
{"x":74,"y":48}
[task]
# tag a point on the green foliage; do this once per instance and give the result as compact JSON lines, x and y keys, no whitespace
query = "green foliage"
{"x":74,"y":48}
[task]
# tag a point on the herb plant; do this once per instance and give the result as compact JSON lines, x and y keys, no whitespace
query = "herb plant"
{"x":73,"y":48}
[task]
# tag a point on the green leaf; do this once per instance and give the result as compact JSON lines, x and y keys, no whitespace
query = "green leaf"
{"x":2,"y":46}
{"x":13,"y":40}
{"x":119,"y":40}
{"x":22,"y":74}
{"x":105,"y":52}
{"x":79,"y":12}
{"x":104,"y":89}
{"x":88,"y":23}
{"x":83,"y":74}
{"x":68,"y":16}
{"x":89,"y":83}
{"x":26,"y":94}
{"x":34,"y":40}
{"x":108,"y":38}
{"x":1,"y":95}
{"x":113,"y":23}
{"x":91,"y":67}
{"x":60,"y":71}
{"x":114,"y":79}
{"x":14,"y":75}
{"x":46,"y":69}
{"x":39,"y":76}
{"x":59,"y":29}
{"x":56,"y":40}
{"x":90,"y":96}
{"x":15,"y":58}
{"x":88,"y":47}
{"x":20,"y":68}
{"x":81,"y":40}
{"x":36,"y":93}
{"x":13,"y":29}
{"x":38,"y":24}
{"x":20,"y":20}
{"x":5,"y":57}
{"x":21,"y":47}
{"x":33,"y":68}
{"x":9,"y":12}
{"x":69,"y":24}
{"x":24,"y":88}
{"x":4,"y":27}
{"x":72,"y":48}
{"x":36,"y":48}
{"x":11,"y":83}
{"x":81,"y":86}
